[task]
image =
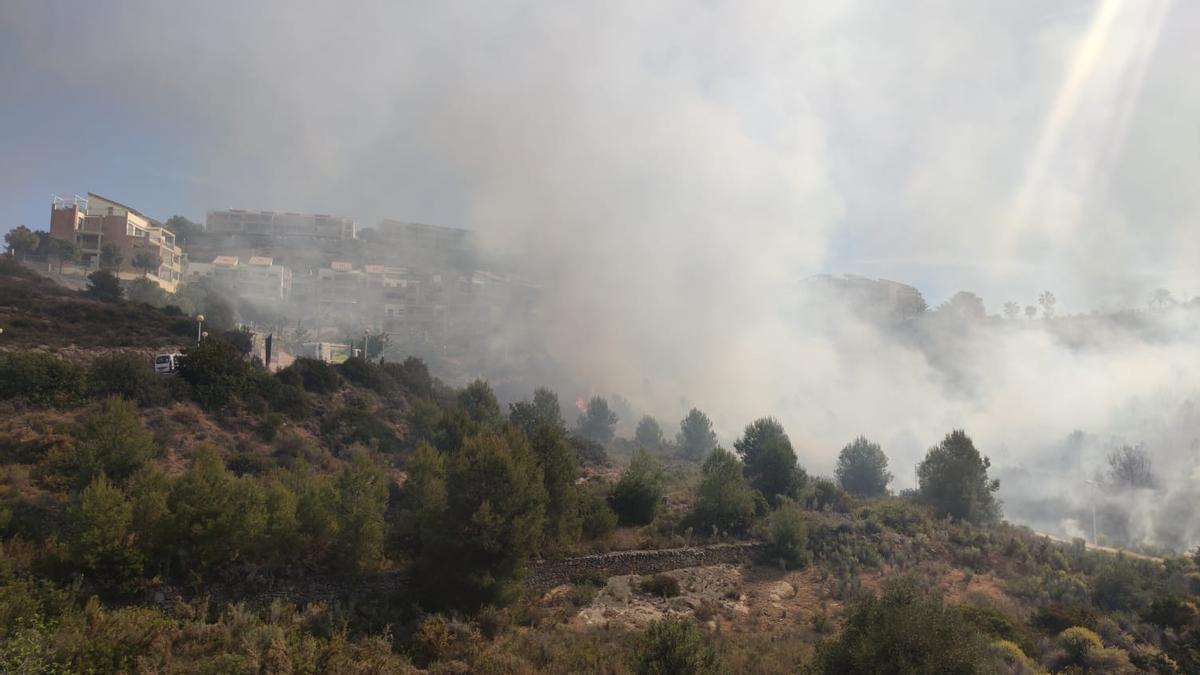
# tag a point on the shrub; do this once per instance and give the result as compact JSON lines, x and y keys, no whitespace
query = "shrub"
{"x":39,"y":378}
{"x":904,"y":630}
{"x":662,"y":585}
{"x":241,"y":339}
{"x":954,"y":481}
{"x":1151,"y":659}
{"x":432,"y":639}
{"x":104,"y":286}
{"x":355,"y":424}
{"x":598,"y":520}
{"x":823,"y":495}
{"x":1116,"y":586}
{"x":862,"y":469}
{"x":674,"y":647}
{"x":312,"y":374}
{"x":1013,"y":659}
{"x":216,"y":372}
{"x":130,"y":376}
{"x":362,"y":494}
{"x":1078,"y":642}
{"x":1170,"y":611}
{"x":102,"y":544}
{"x":112,"y":441}
{"x":639,"y":491}
{"x":215,"y":518}
{"x":789,"y":535}
{"x":493,"y":622}
{"x":724,"y":501}
{"x":412,"y":375}
{"x":589,"y":453}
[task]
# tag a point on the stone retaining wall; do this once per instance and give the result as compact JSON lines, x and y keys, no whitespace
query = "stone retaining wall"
{"x":541,"y":577}
{"x":546,"y":575}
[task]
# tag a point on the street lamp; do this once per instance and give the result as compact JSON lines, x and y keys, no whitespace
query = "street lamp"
{"x":199,"y":327}
{"x":1095,"y":538}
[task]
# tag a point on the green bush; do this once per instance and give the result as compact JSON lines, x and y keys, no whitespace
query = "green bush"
{"x":40,"y":379}
{"x":104,"y":286}
{"x":588,"y":453}
{"x":674,"y":647}
{"x":598,"y":520}
{"x":412,"y":375}
{"x":130,"y":376}
{"x":312,"y":374}
{"x":1118,"y":585}
{"x":215,"y":519}
{"x":724,"y":501}
{"x":639,"y":491}
{"x":362,"y":495}
{"x":102,"y":542}
{"x":1078,"y":642}
{"x":905,"y":630}
{"x":662,"y":585}
{"x":823,"y":495}
{"x":216,"y":372}
{"x":355,"y":424}
{"x":112,"y":441}
{"x":789,"y":535}
{"x":1171,"y":611}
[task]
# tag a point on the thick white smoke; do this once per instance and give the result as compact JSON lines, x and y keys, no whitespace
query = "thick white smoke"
{"x":670,"y":172}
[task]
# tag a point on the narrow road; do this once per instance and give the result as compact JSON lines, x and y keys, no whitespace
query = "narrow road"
{"x":1103,"y":549}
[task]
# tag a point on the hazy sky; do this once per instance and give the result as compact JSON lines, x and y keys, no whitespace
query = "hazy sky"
{"x":1001,"y":147}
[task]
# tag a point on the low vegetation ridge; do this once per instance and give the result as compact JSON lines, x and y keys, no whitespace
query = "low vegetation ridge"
{"x":180,"y":524}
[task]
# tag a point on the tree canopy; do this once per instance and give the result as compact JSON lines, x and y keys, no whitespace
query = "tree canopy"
{"x":724,"y":501}
{"x":695,"y":438}
{"x":770,"y":461}
{"x":598,"y":423}
{"x":862,"y":469}
{"x":648,"y":433}
{"x":953,"y":479}
{"x":637,"y":494}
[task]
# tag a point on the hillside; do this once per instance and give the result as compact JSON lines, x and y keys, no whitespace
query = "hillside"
{"x":36,"y":313}
{"x":367,"y":518}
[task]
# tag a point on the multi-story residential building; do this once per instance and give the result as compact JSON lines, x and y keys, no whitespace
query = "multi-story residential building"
{"x":427,"y":247}
{"x":95,"y":221}
{"x":272,"y":224}
{"x":257,"y":280}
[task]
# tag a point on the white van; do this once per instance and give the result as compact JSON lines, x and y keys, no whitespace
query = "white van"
{"x":166,"y":363}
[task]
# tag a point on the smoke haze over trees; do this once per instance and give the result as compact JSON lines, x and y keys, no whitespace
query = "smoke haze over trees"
{"x":671,"y":176}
